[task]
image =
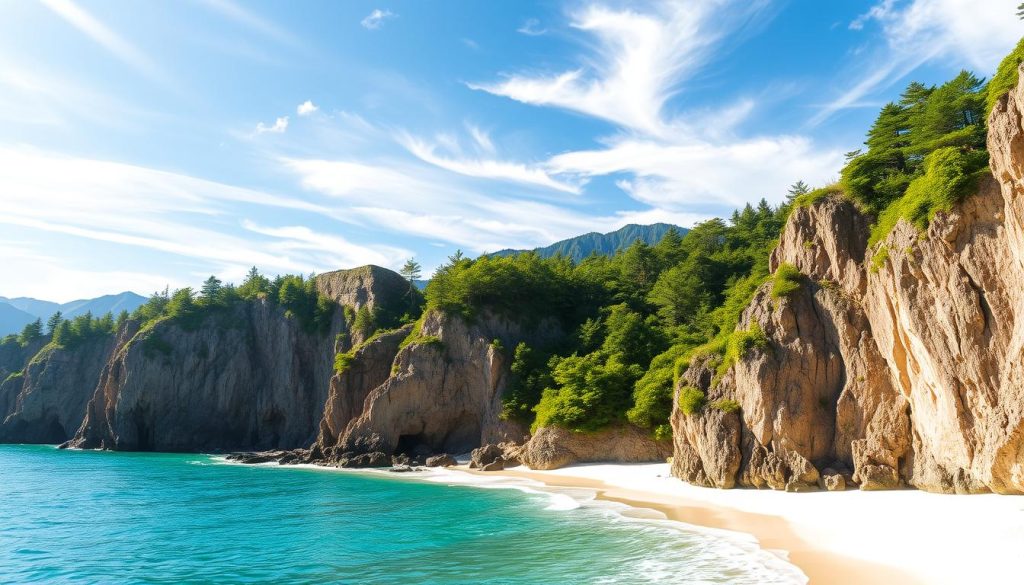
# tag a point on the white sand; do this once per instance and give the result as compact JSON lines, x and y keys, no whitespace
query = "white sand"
{"x":933,"y":538}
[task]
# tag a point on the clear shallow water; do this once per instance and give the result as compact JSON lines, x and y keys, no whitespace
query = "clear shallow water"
{"x":96,"y":517}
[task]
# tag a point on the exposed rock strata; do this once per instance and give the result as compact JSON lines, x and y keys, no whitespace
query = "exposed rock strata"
{"x":908,"y":374}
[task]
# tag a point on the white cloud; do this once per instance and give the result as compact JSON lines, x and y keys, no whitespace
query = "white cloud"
{"x":485,"y":168}
{"x":531,"y":27}
{"x":279,"y":126}
{"x":682,"y":176}
{"x":974,"y":34}
{"x":672,"y":163}
{"x":306,"y":108}
{"x":640,"y":61}
{"x":108,"y":39}
{"x":375,"y":19}
{"x":179,"y":220}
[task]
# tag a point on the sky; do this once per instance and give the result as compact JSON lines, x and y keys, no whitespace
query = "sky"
{"x":152,"y":144}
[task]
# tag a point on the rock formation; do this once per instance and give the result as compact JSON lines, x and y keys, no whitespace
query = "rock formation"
{"x":905,"y":370}
{"x":46,"y":401}
{"x":442,"y":392}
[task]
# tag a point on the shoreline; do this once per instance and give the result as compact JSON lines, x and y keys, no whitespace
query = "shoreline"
{"x":836,"y":538}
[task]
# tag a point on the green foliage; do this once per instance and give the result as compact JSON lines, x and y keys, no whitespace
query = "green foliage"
{"x":726,"y":405}
{"x":786,"y":281}
{"x":14,"y":376}
{"x":411,"y":270}
{"x":691,"y":400}
{"x":529,"y":376}
{"x":590,"y":392}
{"x":652,"y":393}
{"x":740,"y":342}
{"x":811,"y":197}
{"x":497,"y":345}
{"x":72,"y":333}
{"x":949,"y":175}
{"x":365,"y":322}
{"x":429,"y":341}
{"x":31,"y":332}
{"x":1005,"y":78}
{"x":343,"y":361}
{"x":879,"y":259}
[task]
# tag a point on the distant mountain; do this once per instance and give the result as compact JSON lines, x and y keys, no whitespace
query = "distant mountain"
{"x":126,"y":301}
{"x":16,"y":312}
{"x":12,"y":319}
{"x":580,"y":247}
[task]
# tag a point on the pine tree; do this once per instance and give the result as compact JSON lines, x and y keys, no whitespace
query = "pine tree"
{"x":211,"y":287}
{"x":31,"y":332}
{"x":53,"y":322}
{"x":411,"y":270}
{"x":795,"y":190}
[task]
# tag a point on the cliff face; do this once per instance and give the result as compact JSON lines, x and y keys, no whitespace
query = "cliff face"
{"x":905,"y":373}
{"x":441,"y":394}
{"x":247,"y":379}
{"x":46,"y":403}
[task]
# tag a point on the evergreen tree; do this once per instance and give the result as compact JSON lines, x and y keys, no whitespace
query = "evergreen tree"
{"x":53,"y":322}
{"x":795,"y":190}
{"x":31,"y":332}
{"x":211,"y":288}
{"x":411,"y":270}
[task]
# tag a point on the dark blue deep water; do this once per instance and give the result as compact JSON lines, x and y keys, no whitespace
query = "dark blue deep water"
{"x":98,"y":517}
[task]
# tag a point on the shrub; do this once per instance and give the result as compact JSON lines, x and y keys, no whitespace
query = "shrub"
{"x":808,"y":199}
{"x":950,"y":174}
{"x":740,"y":342}
{"x":786,"y":281}
{"x":1005,"y":78}
{"x":343,"y":361}
{"x":691,"y":400}
{"x":879,"y":259}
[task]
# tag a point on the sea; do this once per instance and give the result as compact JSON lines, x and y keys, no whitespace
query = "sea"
{"x":109,"y":517}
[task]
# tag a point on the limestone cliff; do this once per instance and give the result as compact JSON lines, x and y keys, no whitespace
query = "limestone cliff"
{"x":905,"y":370}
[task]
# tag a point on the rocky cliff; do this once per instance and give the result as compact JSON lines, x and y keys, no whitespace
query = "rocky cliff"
{"x":246,"y":377}
{"x":441,"y":392}
{"x":899,"y":364}
{"x":45,"y":401}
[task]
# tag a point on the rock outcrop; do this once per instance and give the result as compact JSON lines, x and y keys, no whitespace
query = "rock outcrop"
{"x":554,"y":447}
{"x":443,"y":395}
{"x":46,"y":402}
{"x":249,"y":378}
{"x":905,"y":369}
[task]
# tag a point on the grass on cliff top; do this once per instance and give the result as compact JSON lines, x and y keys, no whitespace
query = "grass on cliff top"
{"x":691,"y":400}
{"x":808,"y":199}
{"x":948,"y":178}
{"x":1005,"y":78}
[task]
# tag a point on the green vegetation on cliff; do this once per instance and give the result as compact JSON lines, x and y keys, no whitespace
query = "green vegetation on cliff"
{"x":628,"y":318}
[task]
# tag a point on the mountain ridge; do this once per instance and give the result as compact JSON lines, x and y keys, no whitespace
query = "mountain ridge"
{"x":579,"y":247}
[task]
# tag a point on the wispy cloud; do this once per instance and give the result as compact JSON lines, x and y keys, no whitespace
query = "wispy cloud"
{"x":181,"y":219}
{"x":481,"y":167}
{"x":531,"y":27}
{"x":375,"y":19}
{"x":921,"y":31}
{"x":306,"y":108}
{"x":639,"y":61}
{"x":108,"y":39}
{"x":279,"y":126}
{"x":262,"y":26}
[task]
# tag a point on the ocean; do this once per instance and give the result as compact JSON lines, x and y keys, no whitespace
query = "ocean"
{"x":103,"y":517}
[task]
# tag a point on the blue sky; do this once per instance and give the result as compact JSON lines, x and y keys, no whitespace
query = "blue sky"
{"x":145,"y":144}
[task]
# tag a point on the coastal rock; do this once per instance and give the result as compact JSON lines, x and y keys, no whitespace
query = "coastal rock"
{"x":444,"y":460}
{"x":247,"y":378}
{"x":902,"y":365}
{"x":485,"y":455}
{"x":554,"y":447}
{"x":373,"y":459}
{"x":46,"y":402}
{"x":444,"y":392}
{"x":834,"y":482}
{"x":496,"y":465}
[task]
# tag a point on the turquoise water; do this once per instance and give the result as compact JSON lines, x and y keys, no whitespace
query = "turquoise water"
{"x":97,"y":517}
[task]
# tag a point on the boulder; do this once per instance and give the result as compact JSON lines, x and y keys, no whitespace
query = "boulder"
{"x":444,"y":460}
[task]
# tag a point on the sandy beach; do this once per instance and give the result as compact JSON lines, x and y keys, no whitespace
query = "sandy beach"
{"x":851,"y":537}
